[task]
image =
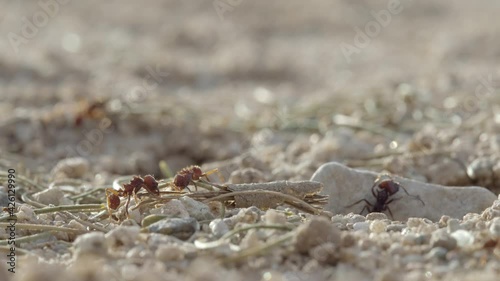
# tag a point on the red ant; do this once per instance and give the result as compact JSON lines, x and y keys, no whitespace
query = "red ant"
{"x":191,"y":174}
{"x":385,"y":189}
{"x":130,"y":189}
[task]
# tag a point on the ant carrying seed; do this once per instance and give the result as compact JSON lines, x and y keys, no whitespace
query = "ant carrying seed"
{"x":130,"y":189}
{"x":191,"y":174}
{"x":382,"y":190}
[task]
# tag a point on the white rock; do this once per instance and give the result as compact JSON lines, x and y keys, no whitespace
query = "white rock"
{"x":173,"y":208}
{"x":274,"y":217}
{"x":75,"y":167}
{"x":196,"y":209}
{"x":315,"y":232}
{"x":122,"y":236}
{"x":138,"y":252}
{"x":495,"y":227}
{"x":90,"y":243}
{"x":251,"y":240}
{"x":170,"y":252}
{"x":464,"y":238}
{"x":25,"y":213}
{"x":345,"y":186}
{"x":218,"y":227}
{"x":378,"y":226}
{"x":52,"y":196}
{"x":361,"y":226}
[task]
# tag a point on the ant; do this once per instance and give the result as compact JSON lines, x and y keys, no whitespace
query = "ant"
{"x":191,"y":174}
{"x":149,"y":183}
{"x":90,"y":110}
{"x":385,"y":188}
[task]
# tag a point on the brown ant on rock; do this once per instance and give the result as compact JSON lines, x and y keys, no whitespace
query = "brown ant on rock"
{"x":191,"y":174}
{"x":130,"y":189}
{"x":382,"y":190}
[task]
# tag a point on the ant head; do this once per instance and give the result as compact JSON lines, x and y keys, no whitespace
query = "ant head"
{"x":197,"y":172}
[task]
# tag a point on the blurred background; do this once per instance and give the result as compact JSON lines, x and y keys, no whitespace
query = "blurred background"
{"x":126,"y":84}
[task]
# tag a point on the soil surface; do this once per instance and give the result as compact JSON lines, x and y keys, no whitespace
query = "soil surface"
{"x":95,"y":92}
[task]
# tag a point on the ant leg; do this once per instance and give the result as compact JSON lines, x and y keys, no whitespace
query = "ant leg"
{"x":216,"y":170}
{"x":126,"y":205}
{"x":373,"y":189}
{"x":417,"y":197}
{"x":390,"y":212}
{"x":136,"y":199}
{"x":359,"y":201}
{"x":195,"y":186}
{"x":112,"y":200}
{"x":366,"y":207}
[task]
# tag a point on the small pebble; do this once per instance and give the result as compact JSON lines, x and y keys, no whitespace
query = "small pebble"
{"x":250,"y":240}
{"x":414,"y":222}
{"x":274,"y":217}
{"x":378,"y":226}
{"x":173,"y":209}
{"x":395,"y":249}
{"x":197,"y":209}
{"x":495,"y":227}
{"x":409,"y":239}
{"x":354,"y":218}
{"x":74,"y":168}
{"x":467,"y":225}
{"x":180,"y":228}
{"x":315,"y":232}
{"x":52,"y":196}
{"x":93,"y":243}
{"x":218,"y":227}
{"x":443,"y":221}
{"x":338,"y":219}
{"x":122,"y":236}
{"x":25,"y":213}
{"x":443,"y":240}
{"x":437,"y":253}
{"x":376,"y":216}
{"x":463,"y":238}
{"x":138,"y":252}
{"x":348,"y":240}
{"x":453,"y":225}
{"x":325,"y":253}
{"x":167,"y":253}
{"x":395,"y":227}
{"x":361,"y":226}
{"x":248,"y":215}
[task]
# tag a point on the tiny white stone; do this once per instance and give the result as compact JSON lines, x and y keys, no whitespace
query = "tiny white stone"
{"x":378,"y":226}
{"x":495,"y":227}
{"x":125,"y":236}
{"x":196,"y":209}
{"x":274,"y":217}
{"x":218,"y":227}
{"x":169,"y":253}
{"x":361,"y":226}
{"x":463,"y":237}
{"x":90,"y":243}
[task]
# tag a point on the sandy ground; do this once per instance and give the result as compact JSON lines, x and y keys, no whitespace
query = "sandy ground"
{"x":281,"y":87}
